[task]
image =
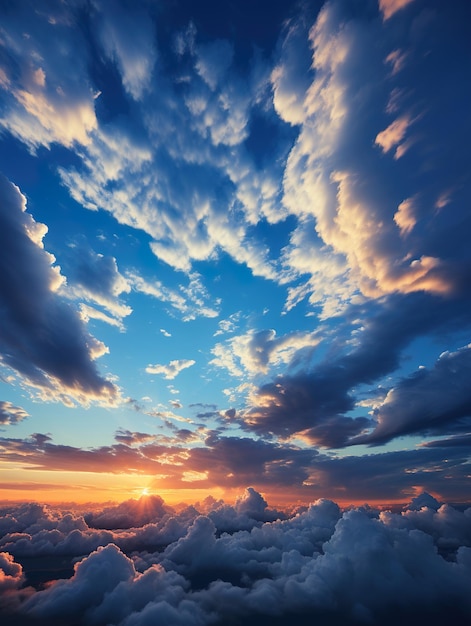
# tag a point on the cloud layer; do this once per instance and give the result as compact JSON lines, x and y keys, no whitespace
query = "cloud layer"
{"x":317,"y":563}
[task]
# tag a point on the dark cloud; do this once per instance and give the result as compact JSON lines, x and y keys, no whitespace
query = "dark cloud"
{"x":11,"y":414}
{"x":42,"y":338}
{"x":391,"y":234}
{"x":395,"y":474}
{"x":130,"y":438}
{"x":117,"y":458}
{"x":268,"y":465}
{"x":264,"y":463}
{"x":460,"y":441}
{"x":315,"y":401}
{"x":432,"y":401}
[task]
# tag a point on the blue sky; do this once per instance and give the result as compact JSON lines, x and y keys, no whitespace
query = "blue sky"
{"x":235,"y":249}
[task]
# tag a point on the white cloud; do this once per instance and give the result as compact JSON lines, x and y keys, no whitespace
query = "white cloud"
{"x":393,"y":136}
{"x":191,"y":300}
{"x":135,"y":57}
{"x":90,"y":313}
{"x":228,"y":325}
{"x":257,"y":351}
{"x":405,"y":216}
{"x":171,"y":370}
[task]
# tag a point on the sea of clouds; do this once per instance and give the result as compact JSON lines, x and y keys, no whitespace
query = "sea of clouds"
{"x":143,"y":563}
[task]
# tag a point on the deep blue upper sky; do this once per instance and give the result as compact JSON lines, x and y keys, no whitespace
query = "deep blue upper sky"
{"x":234,"y":244}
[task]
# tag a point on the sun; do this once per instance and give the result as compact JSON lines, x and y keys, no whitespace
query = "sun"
{"x":145,"y":492}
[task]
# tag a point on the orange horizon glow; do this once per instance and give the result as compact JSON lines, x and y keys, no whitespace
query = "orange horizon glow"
{"x":180,"y":496}
{"x":19,"y":485}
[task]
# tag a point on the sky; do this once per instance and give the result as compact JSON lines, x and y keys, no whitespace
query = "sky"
{"x":234,"y":250}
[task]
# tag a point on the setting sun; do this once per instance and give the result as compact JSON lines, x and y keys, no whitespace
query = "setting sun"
{"x":235,"y":336}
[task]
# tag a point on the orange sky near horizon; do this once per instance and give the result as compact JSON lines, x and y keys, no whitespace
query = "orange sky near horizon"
{"x":49,"y":487}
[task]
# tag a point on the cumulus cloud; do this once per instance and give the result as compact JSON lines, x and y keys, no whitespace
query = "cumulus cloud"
{"x":129,"y":514}
{"x":316,"y":402}
{"x":11,"y":573}
{"x":171,"y":370}
{"x":256,"y":351}
{"x":42,"y":338}
{"x":11,"y":414}
{"x":316,"y":563}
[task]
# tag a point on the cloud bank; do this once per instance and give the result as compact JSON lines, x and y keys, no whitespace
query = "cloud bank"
{"x":321,"y":563}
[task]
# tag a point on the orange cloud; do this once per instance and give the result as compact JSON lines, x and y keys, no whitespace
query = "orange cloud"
{"x":389,"y":7}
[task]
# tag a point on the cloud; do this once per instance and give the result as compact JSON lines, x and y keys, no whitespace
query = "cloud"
{"x":42,"y":338}
{"x":96,"y":575}
{"x":404,"y":216}
{"x":213,"y":61}
{"x":228,"y":325}
{"x":316,"y":402}
{"x":134,"y":56}
{"x":389,"y":7}
{"x":343,"y":189}
{"x":192,"y":300}
{"x":11,"y":573}
{"x":96,"y":278}
{"x":90,"y":313}
{"x":11,"y":414}
{"x":171,"y":370}
{"x":164,"y":182}
{"x":398,"y":565}
{"x":39,"y":451}
{"x":43,"y":101}
{"x":129,"y":514}
{"x":430,"y":401}
{"x":211,"y":460}
{"x":392,"y":136}
{"x":255,"y":352}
